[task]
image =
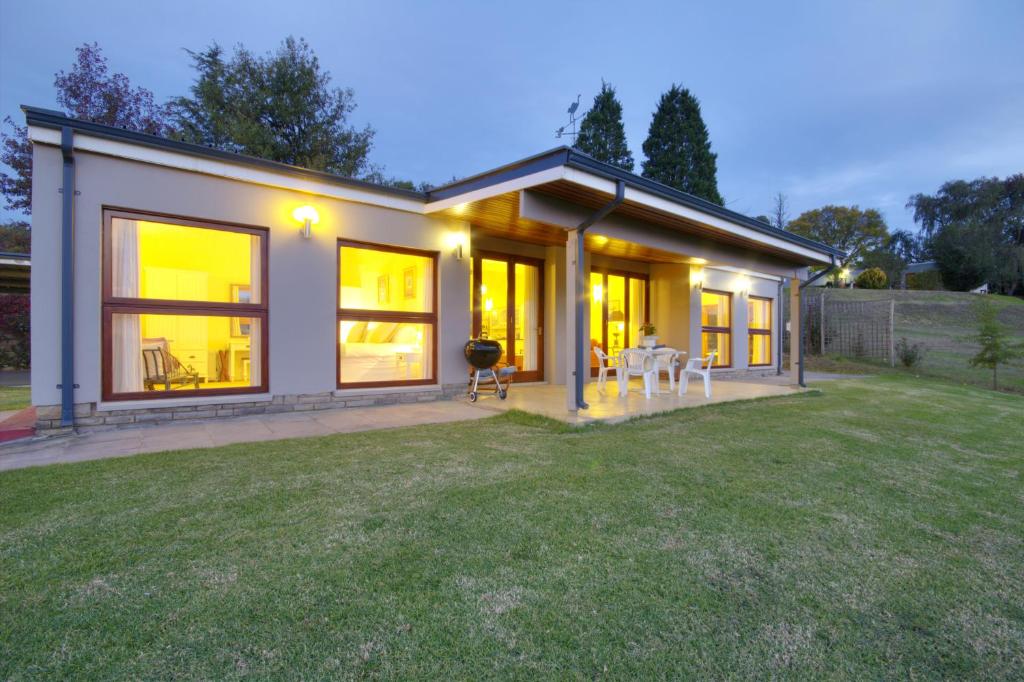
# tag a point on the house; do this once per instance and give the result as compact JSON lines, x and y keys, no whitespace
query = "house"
{"x":171,"y":280}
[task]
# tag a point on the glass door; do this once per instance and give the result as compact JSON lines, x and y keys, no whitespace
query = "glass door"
{"x":508,"y":294}
{"x":618,"y":306}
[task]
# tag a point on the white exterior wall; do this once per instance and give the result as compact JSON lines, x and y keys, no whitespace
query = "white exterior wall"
{"x":741,"y":286}
{"x":303,"y":278}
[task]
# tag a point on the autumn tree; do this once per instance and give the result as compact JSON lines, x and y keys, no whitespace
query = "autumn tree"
{"x":847,"y":228}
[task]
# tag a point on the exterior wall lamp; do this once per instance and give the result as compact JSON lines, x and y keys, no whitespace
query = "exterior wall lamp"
{"x":698,"y":279}
{"x":455,"y":243}
{"x":308,"y":216}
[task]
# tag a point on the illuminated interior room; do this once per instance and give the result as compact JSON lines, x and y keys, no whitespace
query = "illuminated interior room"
{"x":176,"y":286}
{"x":386,"y":316}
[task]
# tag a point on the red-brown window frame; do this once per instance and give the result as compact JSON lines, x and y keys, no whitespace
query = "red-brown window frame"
{"x":363,"y":315}
{"x":717,"y":330}
{"x":760,"y":331}
{"x":605,"y":273}
{"x":142,"y":306}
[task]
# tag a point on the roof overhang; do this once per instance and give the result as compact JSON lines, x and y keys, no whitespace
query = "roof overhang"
{"x":594,"y":182}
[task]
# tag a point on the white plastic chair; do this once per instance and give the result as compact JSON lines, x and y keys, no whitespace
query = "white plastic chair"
{"x":696,"y":367}
{"x":605,"y":363}
{"x":637,"y":362}
{"x":665,"y":360}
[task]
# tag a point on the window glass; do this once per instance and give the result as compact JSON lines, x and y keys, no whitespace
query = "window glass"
{"x":718,"y":342}
{"x":171,"y":353}
{"x":637,"y":309}
{"x":714,"y":309}
{"x":759,"y":313}
{"x":160,"y":261}
{"x":760,"y":349}
{"x":372,"y":279}
{"x":383,"y":351}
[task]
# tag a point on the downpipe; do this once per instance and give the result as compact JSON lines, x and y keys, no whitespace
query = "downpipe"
{"x":67,"y":384}
{"x":803,"y":321}
{"x":581,"y":287}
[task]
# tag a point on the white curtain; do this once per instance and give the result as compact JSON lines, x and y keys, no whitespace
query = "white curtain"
{"x":255,"y":329}
{"x":127,"y":329}
{"x":531,"y":290}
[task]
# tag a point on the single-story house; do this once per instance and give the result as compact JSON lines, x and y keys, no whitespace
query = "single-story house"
{"x":172,"y":280}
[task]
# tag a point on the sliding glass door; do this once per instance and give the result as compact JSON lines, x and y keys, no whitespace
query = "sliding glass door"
{"x":618,"y":306}
{"x":508,"y":294}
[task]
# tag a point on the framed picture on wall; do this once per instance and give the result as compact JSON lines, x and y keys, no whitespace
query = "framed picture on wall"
{"x":409,"y":282}
{"x":383,"y":290}
{"x":240,"y":293}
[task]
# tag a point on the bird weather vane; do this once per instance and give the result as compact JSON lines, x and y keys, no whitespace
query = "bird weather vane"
{"x":572,"y":121}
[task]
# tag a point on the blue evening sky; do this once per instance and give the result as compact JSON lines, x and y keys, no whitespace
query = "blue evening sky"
{"x":854,"y":103}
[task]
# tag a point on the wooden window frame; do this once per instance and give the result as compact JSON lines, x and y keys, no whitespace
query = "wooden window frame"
{"x":761,"y":331}
{"x":142,"y":306}
{"x":718,"y":330}
{"x":365,"y":315}
{"x":627,"y":274}
{"x":511,"y":260}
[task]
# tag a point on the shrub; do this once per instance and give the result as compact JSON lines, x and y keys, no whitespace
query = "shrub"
{"x":910,"y":354}
{"x":924,"y":281}
{"x":14,"y":339}
{"x":872,"y":278}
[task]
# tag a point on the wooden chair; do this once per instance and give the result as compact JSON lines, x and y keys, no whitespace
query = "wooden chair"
{"x":696,"y":367}
{"x":163,"y":369}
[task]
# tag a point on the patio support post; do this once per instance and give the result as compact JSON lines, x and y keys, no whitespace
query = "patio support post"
{"x":795,"y":292}
{"x":572,"y":264}
{"x":577,"y":284}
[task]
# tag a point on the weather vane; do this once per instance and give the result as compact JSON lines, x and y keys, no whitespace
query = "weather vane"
{"x":572,"y":121}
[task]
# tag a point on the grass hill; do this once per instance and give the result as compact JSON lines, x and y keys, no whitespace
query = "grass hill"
{"x":940,"y":320}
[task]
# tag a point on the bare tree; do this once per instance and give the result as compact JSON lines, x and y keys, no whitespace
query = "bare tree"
{"x":780,"y":212}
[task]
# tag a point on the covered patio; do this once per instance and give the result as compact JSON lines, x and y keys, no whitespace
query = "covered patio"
{"x":607,"y":406}
{"x":617,"y":254}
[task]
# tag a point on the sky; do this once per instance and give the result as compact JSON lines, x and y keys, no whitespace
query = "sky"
{"x":861,"y":103}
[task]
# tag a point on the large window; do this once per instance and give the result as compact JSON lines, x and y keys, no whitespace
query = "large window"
{"x":387,"y":316}
{"x":184,"y":308}
{"x":618,"y":306}
{"x":759,"y":331}
{"x":716,"y":326}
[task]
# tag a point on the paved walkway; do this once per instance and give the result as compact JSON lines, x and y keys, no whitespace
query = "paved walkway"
{"x":209,"y":433}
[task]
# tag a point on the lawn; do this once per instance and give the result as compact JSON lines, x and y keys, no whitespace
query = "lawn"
{"x":14,"y":397}
{"x":941,"y":321}
{"x":872,"y":530}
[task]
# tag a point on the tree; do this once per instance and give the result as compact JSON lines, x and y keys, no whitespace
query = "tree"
{"x":602,"y":134}
{"x":846,"y":228}
{"x":780,"y":211}
{"x":678,"y":149}
{"x":885,"y":261}
{"x":280,"y":106}
{"x":872,"y":278}
{"x":995,"y":346}
{"x":975,"y":231}
{"x":15,"y":237}
{"x":89,"y":91}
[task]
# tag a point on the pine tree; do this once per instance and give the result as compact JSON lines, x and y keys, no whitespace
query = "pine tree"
{"x":602,"y":134}
{"x":677,"y":148}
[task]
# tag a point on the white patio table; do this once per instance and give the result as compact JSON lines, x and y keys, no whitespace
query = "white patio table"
{"x":665,"y":359}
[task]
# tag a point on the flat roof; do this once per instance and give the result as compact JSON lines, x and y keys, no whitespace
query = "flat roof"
{"x":553,"y":158}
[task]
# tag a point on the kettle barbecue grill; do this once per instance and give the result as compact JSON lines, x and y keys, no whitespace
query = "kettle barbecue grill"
{"x":483,"y":356}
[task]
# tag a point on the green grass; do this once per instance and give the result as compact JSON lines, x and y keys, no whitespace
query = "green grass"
{"x":14,"y":397}
{"x":941,"y":321}
{"x":872,"y":530}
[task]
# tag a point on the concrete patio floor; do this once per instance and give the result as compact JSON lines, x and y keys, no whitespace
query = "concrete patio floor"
{"x":606,"y":405}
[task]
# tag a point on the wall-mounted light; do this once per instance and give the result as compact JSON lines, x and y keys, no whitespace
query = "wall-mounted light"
{"x":308,"y":216}
{"x":743,"y":284}
{"x":454,"y":241}
{"x":697,"y":278}
{"x":598,"y":293}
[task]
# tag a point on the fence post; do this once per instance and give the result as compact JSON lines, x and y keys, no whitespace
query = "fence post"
{"x":821,"y":325}
{"x":892,"y":339}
